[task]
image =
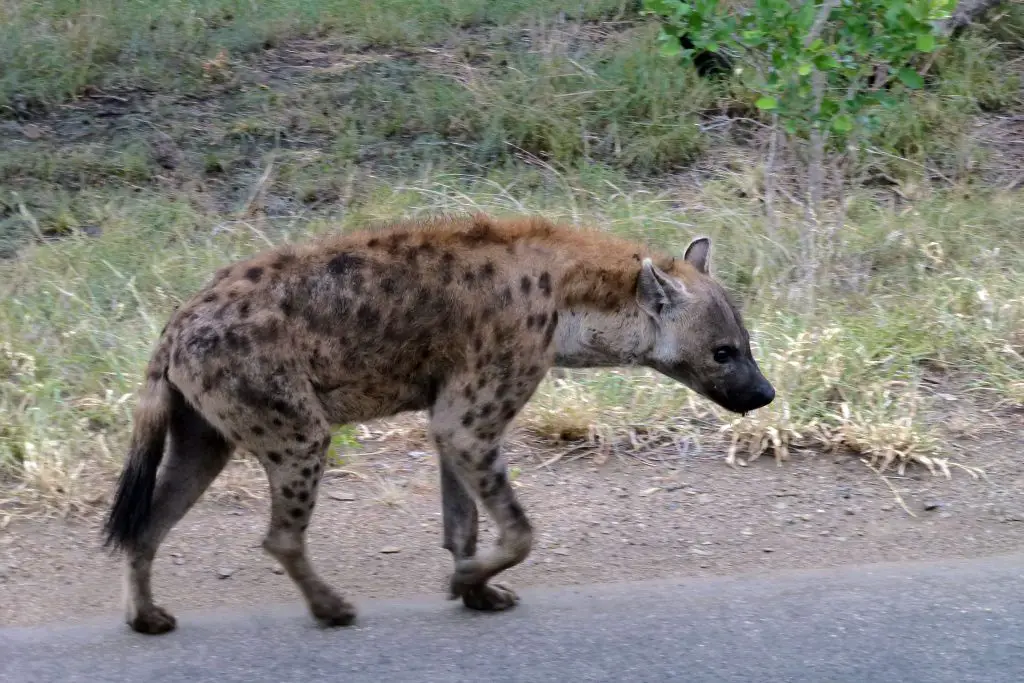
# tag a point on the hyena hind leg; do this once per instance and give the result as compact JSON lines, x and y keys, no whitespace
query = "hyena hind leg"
{"x":197,"y":453}
{"x":294,"y":471}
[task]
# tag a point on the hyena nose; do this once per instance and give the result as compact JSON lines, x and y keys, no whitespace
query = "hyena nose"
{"x":762,"y":395}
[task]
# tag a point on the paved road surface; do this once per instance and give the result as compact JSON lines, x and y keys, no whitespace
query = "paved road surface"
{"x":955,"y":622}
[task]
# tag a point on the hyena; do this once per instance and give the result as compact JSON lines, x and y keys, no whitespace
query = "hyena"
{"x":459,"y":317}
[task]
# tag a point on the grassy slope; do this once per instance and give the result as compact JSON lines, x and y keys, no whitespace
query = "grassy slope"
{"x":487,"y":106}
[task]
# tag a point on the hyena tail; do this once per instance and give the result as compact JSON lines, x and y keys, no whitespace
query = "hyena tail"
{"x":130,"y":513}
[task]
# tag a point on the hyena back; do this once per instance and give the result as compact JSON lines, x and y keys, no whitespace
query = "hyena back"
{"x":458,"y":317}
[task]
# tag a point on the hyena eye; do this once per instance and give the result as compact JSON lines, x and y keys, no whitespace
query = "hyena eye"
{"x":723,"y":354}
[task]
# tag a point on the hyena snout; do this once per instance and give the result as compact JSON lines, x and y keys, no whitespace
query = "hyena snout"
{"x":751,"y":392}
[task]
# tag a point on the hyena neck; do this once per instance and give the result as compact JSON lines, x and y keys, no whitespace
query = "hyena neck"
{"x":586,"y":338}
{"x":600,"y":323}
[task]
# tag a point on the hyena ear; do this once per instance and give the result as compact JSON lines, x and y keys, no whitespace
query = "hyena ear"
{"x":699,"y":254}
{"x":655,"y":289}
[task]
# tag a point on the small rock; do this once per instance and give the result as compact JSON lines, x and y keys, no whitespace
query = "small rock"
{"x":225,"y":572}
{"x":698,"y":551}
{"x":31,"y":131}
{"x":179,"y":560}
{"x":560,"y":551}
{"x":705,"y":498}
{"x":850,"y":511}
{"x":344,"y":497}
{"x":888,"y":507}
{"x":390,"y":550}
{"x":768,"y":550}
{"x":932,"y":505}
{"x":418,"y":454}
{"x":277,"y":569}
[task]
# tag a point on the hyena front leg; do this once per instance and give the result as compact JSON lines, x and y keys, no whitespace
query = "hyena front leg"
{"x":467,"y":428}
{"x":461,"y":523}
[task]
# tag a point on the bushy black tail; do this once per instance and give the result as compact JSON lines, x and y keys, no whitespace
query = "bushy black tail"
{"x":130,"y":513}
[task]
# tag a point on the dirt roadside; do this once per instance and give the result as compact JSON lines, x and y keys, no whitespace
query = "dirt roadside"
{"x":379,"y":535}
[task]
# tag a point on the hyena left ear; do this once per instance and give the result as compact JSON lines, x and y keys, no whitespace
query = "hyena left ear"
{"x":698,"y":254}
{"x":655,"y":289}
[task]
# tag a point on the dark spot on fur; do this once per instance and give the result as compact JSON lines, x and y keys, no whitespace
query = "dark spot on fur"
{"x":274,"y":456}
{"x":467,"y":420}
{"x":296,"y":512}
{"x":544,"y":283}
{"x":508,"y":410}
{"x":487,"y":270}
{"x":287,"y":492}
{"x":490,"y":457}
{"x":307,"y":472}
{"x":210,"y":297}
{"x":505,"y":298}
{"x":549,"y":333}
{"x":529,"y":322}
{"x":199,"y":342}
{"x":155,"y":375}
{"x":277,"y":422}
{"x":447,"y":264}
{"x":525,"y":285}
{"x":478,"y":343}
{"x":254,"y":273}
{"x":487,"y":409}
{"x":373,"y":243}
{"x":235,"y":436}
{"x":236,"y":341}
{"x":468,"y":277}
{"x":345,"y":263}
{"x":257,"y":430}
{"x":243,"y":310}
{"x":268,"y":332}
{"x":367,"y":316}
{"x":300,"y":437}
{"x":303,"y":496}
{"x":283,"y":260}
{"x":515,"y":510}
{"x":497,"y":482}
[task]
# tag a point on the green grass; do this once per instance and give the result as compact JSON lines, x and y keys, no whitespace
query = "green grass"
{"x":491,"y":107}
{"x":51,"y":49}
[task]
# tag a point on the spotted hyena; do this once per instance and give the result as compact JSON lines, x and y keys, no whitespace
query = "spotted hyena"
{"x":458,"y":317}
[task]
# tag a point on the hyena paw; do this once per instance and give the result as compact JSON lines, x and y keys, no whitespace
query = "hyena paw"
{"x":489,"y":597}
{"x":333,"y":610}
{"x":152,"y":620}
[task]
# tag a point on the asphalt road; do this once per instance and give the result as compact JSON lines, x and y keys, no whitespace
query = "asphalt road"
{"x":956,"y":621}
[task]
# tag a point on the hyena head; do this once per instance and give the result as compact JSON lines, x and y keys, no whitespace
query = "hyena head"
{"x":697,"y":336}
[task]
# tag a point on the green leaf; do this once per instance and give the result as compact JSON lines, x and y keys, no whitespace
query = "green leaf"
{"x":926,"y":42}
{"x":671,"y":48}
{"x":910,"y":78}
{"x":804,"y":69}
{"x":842,"y":123}
{"x":766,"y":103}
